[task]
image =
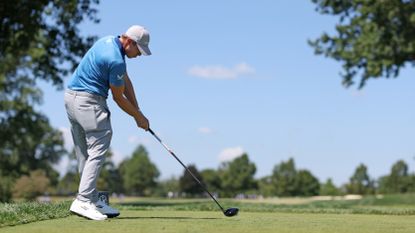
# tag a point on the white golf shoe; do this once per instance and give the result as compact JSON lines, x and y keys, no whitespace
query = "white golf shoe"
{"x":86,"y":209}
{"x":107,"y":210}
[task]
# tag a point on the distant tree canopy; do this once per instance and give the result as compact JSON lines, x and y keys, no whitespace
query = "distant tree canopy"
{"x":188,"y":184}
{"x":398,"y":181}
{"x":284,"y":178}
{"x":138,"y":173}
{"x":329,"y":189}
{"x":39,"y":40}
{"x":211,"y":179}
{"x":110,"y":178}
{"x":287,"y":181}
{"x":238,"y":176}
{"x":375,"y":38}
{"x":29,"y":187}
{"x":360,"y":182}
{"x":307,"y":184}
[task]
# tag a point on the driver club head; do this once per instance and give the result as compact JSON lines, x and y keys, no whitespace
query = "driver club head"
{"x":231,"y":212}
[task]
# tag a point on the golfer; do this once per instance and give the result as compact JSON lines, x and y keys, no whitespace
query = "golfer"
{"x":102,"y":68}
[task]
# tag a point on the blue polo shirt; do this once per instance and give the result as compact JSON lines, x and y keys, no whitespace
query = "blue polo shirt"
{"x":102,"y":65}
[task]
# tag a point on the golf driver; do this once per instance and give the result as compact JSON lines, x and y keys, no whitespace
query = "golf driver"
{"x":229,"y":212}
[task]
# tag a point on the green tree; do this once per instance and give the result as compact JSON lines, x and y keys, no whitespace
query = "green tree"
{"x":329,"y":189}
{"x":360,"y":182}
{"x":307,"y":184}
{"x":411,"y":183}
{"x":139,"y":173}
{"x":266,"y":187}
{"x":398,"y":181}
{"x":69,"y":183}
{"x":39,"y":40}
{"x":187,"y":183}
{"x":110,"y":178}
{"x":6,"y":188}
{"x":211,"y":178}
{"x":287,"y":181}
{"x":42,"y":41}
{"x":165,"y":187}
{"x":284,"y":178}
{"x":374,"y":38}
{"x":29,"y":187}
{"x":238,"y":176}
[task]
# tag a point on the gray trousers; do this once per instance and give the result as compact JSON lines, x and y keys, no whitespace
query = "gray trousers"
{"x":91,"y":132}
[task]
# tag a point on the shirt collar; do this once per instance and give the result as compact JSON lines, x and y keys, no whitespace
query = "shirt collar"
{"x":118,"y":42}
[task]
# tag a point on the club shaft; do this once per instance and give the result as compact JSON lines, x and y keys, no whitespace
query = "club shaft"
{"x":187,"y":169}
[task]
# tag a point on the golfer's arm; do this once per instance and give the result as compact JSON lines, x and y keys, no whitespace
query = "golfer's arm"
{"x":122,"y":102}
{"x":129,"y":91}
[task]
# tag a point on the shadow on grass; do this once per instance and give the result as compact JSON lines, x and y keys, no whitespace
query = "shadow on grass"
{"x":164,"y":204}
{"x":171,"y":218}
{"x":150,"y":204}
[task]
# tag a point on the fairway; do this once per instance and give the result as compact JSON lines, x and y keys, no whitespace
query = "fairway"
{"x":209,"y":221}
{"x":393,"y":213}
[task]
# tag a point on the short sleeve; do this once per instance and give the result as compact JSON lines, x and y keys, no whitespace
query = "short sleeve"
{"x":117,"y":73}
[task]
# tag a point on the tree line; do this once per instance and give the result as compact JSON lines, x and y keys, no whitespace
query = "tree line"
{"x":137,"y":175}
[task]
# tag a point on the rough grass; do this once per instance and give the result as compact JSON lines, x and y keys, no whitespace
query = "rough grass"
{"x":21,"y":213}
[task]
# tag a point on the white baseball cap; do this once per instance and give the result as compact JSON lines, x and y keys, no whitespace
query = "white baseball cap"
{"x":141,"y":36}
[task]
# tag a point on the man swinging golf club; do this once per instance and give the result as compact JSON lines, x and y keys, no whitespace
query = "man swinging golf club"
{"x":102,"y":68}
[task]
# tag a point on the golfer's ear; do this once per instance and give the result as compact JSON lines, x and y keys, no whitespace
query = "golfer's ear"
{"x":130,"y":40}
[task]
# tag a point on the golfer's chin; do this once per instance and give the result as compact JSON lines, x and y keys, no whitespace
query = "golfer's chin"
{"x":132,"y":56}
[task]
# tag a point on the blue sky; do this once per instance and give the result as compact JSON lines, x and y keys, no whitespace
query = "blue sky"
{"x":228,"y":77}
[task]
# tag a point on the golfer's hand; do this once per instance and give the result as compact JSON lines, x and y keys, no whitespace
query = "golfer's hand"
{"x":142,"y":121}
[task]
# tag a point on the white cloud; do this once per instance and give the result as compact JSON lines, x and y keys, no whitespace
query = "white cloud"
{"x":244,"y":69}
{"x":221,"y":72}
{"x":231,"y":153}
{"x":205,"y":130}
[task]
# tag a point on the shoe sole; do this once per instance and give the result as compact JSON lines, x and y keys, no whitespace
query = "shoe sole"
{"x":83,"y":216}
{"x":112,"y":215}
